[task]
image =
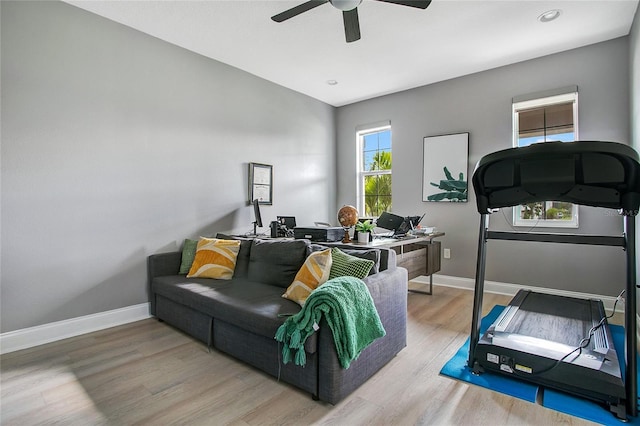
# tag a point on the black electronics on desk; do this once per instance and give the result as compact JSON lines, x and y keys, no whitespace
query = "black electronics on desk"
{"x":319,"y":233}
{"x":408,"y":224}
{"x":288,"y":221}
{"x":257,"y":223}
{"x":283,"y":227}
{"x":398,"y":224}
{"x":389,"y":221}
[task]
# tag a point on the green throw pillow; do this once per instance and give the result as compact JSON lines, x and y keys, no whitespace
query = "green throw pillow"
{"x":346,"y":265}
{"x":188,"y":254}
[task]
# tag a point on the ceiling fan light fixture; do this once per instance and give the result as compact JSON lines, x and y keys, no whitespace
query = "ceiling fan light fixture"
{"x":345,"y":5}
{"x":550,"y":15}
{"x":349,"y":10}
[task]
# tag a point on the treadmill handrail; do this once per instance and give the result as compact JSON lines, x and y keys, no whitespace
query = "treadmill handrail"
{"x":599,"y":240}
{"x":590,"y":173}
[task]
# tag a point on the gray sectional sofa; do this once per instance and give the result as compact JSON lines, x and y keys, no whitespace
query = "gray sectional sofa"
{"x":240,"y":316}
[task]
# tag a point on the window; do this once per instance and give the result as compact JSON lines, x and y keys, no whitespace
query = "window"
{"x":552,"y":118}
{"x":374,"y":171}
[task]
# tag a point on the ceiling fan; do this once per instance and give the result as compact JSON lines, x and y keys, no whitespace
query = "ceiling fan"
{"x":349,"y":12}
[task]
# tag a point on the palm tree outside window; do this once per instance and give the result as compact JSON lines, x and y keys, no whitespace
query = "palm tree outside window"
{"x":374,"y":171}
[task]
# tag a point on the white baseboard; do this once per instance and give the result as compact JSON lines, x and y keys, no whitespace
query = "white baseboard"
{"x":47,"y":333}
{"x":511,"y":289}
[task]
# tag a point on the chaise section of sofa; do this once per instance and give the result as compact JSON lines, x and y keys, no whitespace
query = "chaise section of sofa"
{"x":240,"y":316}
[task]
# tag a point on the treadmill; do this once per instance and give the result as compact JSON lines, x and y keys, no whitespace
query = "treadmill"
{"x":560,"y":342}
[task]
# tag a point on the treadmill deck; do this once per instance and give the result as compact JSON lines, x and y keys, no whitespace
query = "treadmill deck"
{"x":535,"y":339}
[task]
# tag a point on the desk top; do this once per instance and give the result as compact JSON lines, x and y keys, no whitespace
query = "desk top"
{"x":377,"y":242}
{"x":394,"y":242}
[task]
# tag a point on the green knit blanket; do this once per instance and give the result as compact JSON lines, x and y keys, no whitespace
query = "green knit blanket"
{"x":348,"y":308}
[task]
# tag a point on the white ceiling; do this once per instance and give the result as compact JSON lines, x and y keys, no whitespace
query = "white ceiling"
{"x":401,"y":47}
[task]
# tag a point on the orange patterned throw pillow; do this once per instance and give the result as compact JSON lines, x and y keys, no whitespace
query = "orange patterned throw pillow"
{"x":215,"y":259}
{"x":313,"y":273}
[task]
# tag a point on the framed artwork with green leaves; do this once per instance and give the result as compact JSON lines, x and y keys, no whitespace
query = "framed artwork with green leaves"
{"x":445,"y":168}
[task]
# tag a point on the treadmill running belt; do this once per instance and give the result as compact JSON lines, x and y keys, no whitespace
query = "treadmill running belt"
{"x":545,"y":318}
{"x":536,"y":339}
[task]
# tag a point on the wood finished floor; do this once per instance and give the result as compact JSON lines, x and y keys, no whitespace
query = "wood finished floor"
{"x":149,"y":373}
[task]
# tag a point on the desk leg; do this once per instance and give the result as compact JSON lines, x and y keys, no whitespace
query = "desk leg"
{"x":430,"y":267}
{"x":430,"y":292}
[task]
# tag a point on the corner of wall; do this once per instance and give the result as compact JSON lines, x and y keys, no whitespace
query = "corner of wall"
{"x":634,"y":85}
{"x":634,"y":76}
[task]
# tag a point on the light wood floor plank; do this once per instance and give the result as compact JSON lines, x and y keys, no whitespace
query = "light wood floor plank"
{"x":148,"y":373}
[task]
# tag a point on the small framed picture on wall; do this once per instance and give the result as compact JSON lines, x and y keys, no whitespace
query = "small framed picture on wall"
{"x":261,"y":183}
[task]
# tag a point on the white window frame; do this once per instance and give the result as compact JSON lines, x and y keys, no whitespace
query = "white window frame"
{"x":361,"y":174}
{"x":536,"y":103}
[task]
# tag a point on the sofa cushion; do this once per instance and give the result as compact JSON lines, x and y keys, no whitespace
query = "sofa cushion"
{"x":347,"y":265}
{"x":313,"y":273}
{"x":215,"y":258}
{"x":242,"y":261}
{"x":257,"y":308}
{"x":276,"y":262}
{"x":194,"y":293}
{"x":252,"y":306}
{"x":188,"y":254}
{"x":372,"y":254}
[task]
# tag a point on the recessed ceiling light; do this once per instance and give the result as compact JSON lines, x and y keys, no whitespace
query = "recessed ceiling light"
{"x":549,"y":15}
{"x":332,"y":82}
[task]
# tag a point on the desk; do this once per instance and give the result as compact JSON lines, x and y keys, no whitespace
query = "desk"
{"x":419,"y":255}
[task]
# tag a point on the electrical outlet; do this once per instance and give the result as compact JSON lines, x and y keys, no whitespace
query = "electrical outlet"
{"x":447,"y":253}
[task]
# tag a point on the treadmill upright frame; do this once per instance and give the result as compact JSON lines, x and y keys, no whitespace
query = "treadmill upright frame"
{"x":594,"y":173}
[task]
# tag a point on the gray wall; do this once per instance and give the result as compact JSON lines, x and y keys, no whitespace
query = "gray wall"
{"x":481,"y":104}
{"x":116,"y":145}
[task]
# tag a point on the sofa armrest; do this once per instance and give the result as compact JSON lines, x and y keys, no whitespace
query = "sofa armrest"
{"x":164,"y":264}
{"x":388,"y":283}
{"x":389,"y":292}
{"x":159,"y":265}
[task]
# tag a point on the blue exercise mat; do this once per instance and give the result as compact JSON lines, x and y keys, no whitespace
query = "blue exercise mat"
{"x":585,"y":408}
{"x":457,"y":368}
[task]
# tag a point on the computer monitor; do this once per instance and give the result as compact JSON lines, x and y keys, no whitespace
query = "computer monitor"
{"x":415,"y":220}
{"x":389,"y":221}
{"x":256,"y":212}
{"x":409,"y":223}
{"x":288,"y":221}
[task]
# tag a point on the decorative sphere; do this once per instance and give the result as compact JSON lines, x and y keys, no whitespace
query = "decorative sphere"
{"x":347,"y":216}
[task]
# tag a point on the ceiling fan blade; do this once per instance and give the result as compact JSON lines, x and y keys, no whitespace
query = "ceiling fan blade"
{"x":351,"y":25}
{"x":295,"y":11}
{"x":420,"y":4}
